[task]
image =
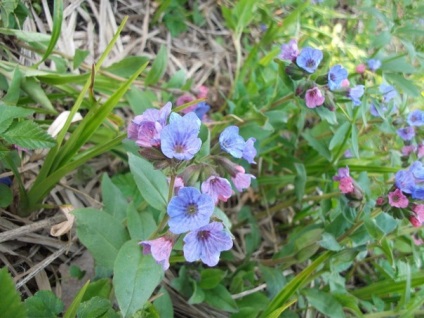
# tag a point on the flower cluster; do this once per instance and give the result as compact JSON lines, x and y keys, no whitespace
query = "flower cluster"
{"x":323,"y":89}
{"x":172,"y":142}
{"x":405,"y":198}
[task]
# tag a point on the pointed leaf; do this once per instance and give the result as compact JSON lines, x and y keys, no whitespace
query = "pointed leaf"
{"x":29,"y":135}
{"x":10,"y":304}
{"x":114,"y":202}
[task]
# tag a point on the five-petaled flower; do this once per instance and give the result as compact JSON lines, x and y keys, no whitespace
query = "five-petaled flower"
{"x":207,"y":243}
{"x":397,"y":199}
{"x":189,"y":210}
{"x":218,"y":188}
{"x":314,"y":97}
{"x":336,"y":75}
{"x":160,"y":249}
{"x":309,"y":59}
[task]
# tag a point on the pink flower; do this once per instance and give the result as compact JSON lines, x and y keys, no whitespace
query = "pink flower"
{"x":418,"y":218}
{"x":184,"y":99}
{"x":397,"y":199}
{"x":241,"y":179}
{"x":414,"y":221}
{"x":346,"y":185}
{"x":420,"y":151}
{"x":314,"y":97}
{"x":202,"y":91}
{"x":160,"y":249}
{"x":407,"y":150}
{"x":345,"y":83}
{"x":360,"y":68}
{"x":218,"y":188}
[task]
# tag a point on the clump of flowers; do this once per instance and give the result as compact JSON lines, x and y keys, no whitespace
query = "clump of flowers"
{"x":171,"y":142}
{"x":317,"y":90}
{"x":348,"y":186}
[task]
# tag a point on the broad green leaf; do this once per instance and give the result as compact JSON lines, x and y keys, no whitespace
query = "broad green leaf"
{"x":10,"y":304}
{"x":397,"y":64}
{"x":126,"y":66}
{"x":101,"y":234}
{"x":198,"y":295}
{"x":324,"y":303}
{"x":114,"y":201}
{"x":43,"y":304}
{"x":329,"y":242}
{"x":274,"y":278}
{"x":11,"y":112}
{"x":163,"y":304}
{"x":101,"y":287}
{"x":211,"y":277}
{"x":6,"y":9}
{"x":220,"y":298}
{"x":406,"y":85}
{"x":244,"y":12}
{"x":29,"y":135}
{"x":158,"y":67}
{"x":140,"y":100}
{"x":151,"y":183}
{"x":135,"y":278}
{"x":96,"y":307}
{"x":140,"y":224}
{"x":339,"y":135}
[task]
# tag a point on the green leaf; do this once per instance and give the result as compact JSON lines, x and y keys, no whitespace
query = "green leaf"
{"x":126,"y":66}
{"x":12,"y":112}
{"x":57,"y":27}
{"x":101,"y":287}
{"x":101,"y":234}
{"x":96,"y":307}
{"x":220,"y":298}
{"x":152,"y":183}
{"x":6,"y":9}
{"x":329,"y":242}
{"x":73,"y":307}
{"x":114,"y":202}
{"x":300,"y":181}
{"x":205,"y":136}
{"x":319,"y":146}
{"x":158,"y":67}
{"x":10,"y":304}
{"x":79,"y":57}
{"x":211,"y":277}
{"x":140,"y":224}
{"x":43,"y":304}
{"x":198,"y":295}
{"x":135,"y":278}
{"x":324,"y":303}
{"x":33,"y":88}
{"x":140,"y":100}
{"x":406,"y":85}
{"x":163,"y":304}
{"x":14,"y":90}
{"x":397,"y":64}
{"x":339,"y":135}
{"x":244,"y":12}
{"x":6,"y":195}
{"x":29,"y":135}
{"x":274,"y":278}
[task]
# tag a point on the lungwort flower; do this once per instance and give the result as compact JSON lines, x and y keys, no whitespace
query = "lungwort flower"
{"x":160,"y":249}
{"x":416,"y":118}
{"x":289,"y":51}
{"x":314,"y":97}
{"x":180,"y":139}
{"x":207,"y":243}
{"x":336,"y":75}
{"x":374,"y":64}
{"x":355,"y":94}
{"x":189,"y":210}
{"x":234,"y":144}
{"x":309,"y":59}
{"x":218,"y":188}
{"x":241,"y":179}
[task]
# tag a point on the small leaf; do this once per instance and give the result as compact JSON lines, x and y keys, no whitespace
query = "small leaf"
{"x":73,"y":307}
{"x":220,"y":298}
{"x":300,"y":181}
{"x":114,"y":202}
{"x":10,"y":304}
{"x":57,"y":26}
{"x":29,"y":135}
{"x":79,"y":57}
{"x":126,"y":66}
{"x":101,"y":234}
{"x":151,"y":183}
{"x":13,"y":92}
{"x":324,"y":303}
{"x":96,"y":307}
{"x":198,"y":295}
{"x":135,"y":278}
{"x":6,"y":195}
{"x":319,"y":146}
{"x":329,"y":242}
{"x":43,"y":304}
{"x":101,"y":287}
{"x":158,"y":67}
{"x":339,"y":135}
{"x":211,"y":277}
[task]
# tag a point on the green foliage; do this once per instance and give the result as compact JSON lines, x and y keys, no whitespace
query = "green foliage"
{"x":11,"y":305}
{"x":43,"y":304}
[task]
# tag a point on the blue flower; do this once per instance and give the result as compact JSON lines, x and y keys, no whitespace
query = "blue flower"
{"x":232,"y":142}
{"x":406,"y":133}
{"x":201,"y":109}
{"x":388,"y":92}
{"x":189,"y":210}
{"x":412,"y":180}
{"x":416,"y":118}
{"x":207,"y":243}
{"x":335,"y":76}
{"x":355,"y":93}
{"x":374,"y":64}
{"x":180,"y":139}
{"x":249,"y":151}
{"x":309,"y":59}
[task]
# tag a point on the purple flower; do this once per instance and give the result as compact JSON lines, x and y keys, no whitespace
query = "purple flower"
{"x":160,"y":249}
{"x":348,"y":154}
{"x":180,"y":139}
{"x":377,"y":112}
{"x":314,"y":97}
{"x":388,"y":92}
{"x":309,"y":59}
{"x":406,"y":133}
{"x":407,"y":150}
{"x":411,"y":181}
{"x":207,"y":243}
{"x":289,"y":51}
{"x":218,"y":188}
{"x":189,"y":210}
{"x":355,"y":93}
{"x":397,"y":199}
{"x":341,"y":173}
{"x":232,"y":142}
{"x":420,"y":151}
{"x":201,"y":109}
{"x":335,"y":77}
{"x":145,"y":129}
{"x":374,"y":64}
{"x":416,"y":118}
{"x":249,"y":151}
{"x":241,"y":179}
